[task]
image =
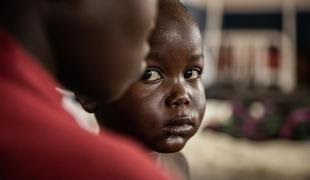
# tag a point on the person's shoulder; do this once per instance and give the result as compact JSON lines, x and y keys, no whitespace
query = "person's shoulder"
{"x":60,"y":148}
{"x":114,"y":157}
{"x":65,"y":151}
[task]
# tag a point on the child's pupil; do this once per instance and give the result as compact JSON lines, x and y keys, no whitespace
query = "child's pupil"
{"x":147,"y":75}
{"x":188,"y":74}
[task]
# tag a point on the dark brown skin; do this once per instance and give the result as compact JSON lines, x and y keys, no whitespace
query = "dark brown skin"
{"x":95,"y":47}
{"x":165,"y":108}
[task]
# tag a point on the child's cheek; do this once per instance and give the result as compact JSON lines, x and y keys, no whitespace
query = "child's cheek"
{"x":199,"y":99}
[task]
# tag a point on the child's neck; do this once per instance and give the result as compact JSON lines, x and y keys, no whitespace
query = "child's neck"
{"x":172,"y":162}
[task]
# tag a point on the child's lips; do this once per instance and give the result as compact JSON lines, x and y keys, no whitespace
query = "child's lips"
{"x":181,"y":126}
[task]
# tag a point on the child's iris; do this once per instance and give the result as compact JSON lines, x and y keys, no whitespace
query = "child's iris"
{"x":151,"y":75}
{"x":192,"y":74}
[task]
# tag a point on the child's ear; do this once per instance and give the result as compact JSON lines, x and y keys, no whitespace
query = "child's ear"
{"x":88,"y":104}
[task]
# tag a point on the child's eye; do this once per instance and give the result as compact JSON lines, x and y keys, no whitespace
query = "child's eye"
{"x":151,"y":75}
{"x":192,"y":74}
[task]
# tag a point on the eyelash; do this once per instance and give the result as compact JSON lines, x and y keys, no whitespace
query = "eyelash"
{"x":158,"y":75}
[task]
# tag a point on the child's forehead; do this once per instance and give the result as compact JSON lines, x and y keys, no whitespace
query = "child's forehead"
{"x":169,"y":31}
{"x":175,"y":43}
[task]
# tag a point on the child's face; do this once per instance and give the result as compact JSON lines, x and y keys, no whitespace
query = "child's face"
{"x":165,"y":108}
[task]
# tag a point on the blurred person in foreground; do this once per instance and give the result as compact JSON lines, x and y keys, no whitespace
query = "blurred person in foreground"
{"x":95,"y":46}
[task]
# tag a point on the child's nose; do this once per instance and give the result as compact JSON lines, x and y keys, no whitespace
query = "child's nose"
{"x":178,"y":97}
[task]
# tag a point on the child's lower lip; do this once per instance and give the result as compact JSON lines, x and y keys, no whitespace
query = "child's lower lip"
{"x":180,"y":126}
{"x":179,"y":130}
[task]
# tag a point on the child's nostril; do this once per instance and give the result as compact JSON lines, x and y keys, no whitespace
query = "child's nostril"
{"x":180,"y":101}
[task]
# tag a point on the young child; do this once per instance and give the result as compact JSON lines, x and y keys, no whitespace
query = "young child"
{"x":165,"y":108}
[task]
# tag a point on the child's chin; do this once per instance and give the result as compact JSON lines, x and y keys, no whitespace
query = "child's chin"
{"x":170,"y":145}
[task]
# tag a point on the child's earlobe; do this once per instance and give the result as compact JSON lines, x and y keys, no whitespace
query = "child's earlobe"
{"x":88,"y":104}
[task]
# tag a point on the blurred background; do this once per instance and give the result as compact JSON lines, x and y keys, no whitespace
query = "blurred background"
{"x":257,"y":59}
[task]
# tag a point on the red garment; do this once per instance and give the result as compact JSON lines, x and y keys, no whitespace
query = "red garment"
{"x":39,"y":140}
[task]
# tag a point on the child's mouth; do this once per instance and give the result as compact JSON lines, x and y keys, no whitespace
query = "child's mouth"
{"x":182,"y":126}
